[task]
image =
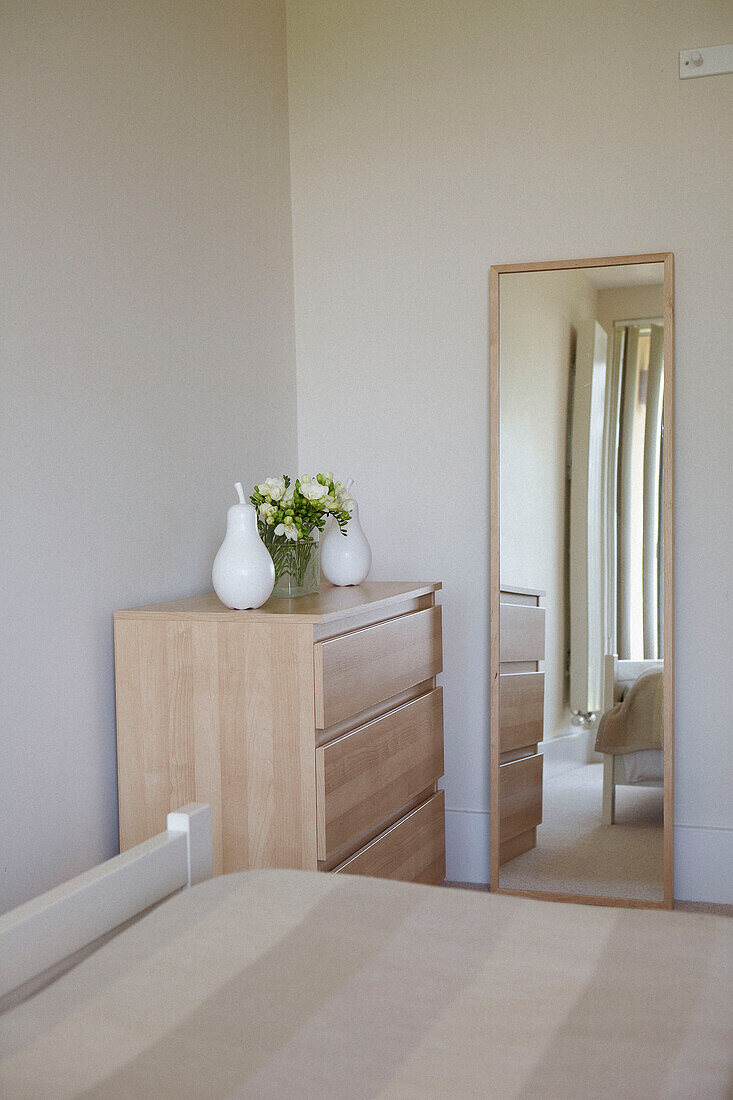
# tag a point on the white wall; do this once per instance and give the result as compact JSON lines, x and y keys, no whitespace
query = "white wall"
{"x":540,"y":312}
{"x":147,"y":363}
{"x":430,"y":139}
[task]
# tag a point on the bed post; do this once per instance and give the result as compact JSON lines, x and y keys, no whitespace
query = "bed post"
{"x":609,"y":763}
{"x":194,"y":820}
{"x":609,"y":790}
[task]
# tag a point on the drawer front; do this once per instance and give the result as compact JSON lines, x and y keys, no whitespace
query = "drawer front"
{"x":521,"y":633}
{"x":368,"y":774}
{"x":520,"y":796}
{"x":412,"y":850}
{"x":521,"y":709}
{"x":517,"y":846}
{"x":357,"y":670}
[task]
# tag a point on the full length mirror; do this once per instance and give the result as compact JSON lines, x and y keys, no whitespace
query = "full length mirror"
{"x":581,"y":761}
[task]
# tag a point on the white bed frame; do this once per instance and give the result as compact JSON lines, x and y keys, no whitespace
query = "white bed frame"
{"x":37,"y":938}
{"x":618,"y":672}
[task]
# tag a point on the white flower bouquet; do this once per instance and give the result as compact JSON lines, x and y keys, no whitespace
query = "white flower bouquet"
{"x":289,"y":514}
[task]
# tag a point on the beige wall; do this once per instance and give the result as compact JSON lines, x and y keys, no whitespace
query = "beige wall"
{"x":430,"y":139}
{"x":539,"y":313}
{"x":624,"y":303}
{"x":146,"y":363}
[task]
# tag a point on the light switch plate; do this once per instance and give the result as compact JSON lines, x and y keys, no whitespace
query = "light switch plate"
{"x":706,"y":61}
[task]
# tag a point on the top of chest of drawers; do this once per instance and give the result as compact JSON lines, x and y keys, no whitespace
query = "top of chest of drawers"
{"x":330,"y":605}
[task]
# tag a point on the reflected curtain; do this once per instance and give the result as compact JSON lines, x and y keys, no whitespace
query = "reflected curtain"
{"x":639,"y":450}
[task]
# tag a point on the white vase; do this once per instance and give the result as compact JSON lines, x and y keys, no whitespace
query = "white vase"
{"x":243,"y":572}
{"x":345,"y":559}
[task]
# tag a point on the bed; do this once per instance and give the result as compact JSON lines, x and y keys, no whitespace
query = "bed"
{"x":641,"y":767}
{"x":299,"y":984}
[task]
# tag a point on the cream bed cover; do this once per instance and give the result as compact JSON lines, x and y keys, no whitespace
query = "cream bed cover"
{"x":295,"y":984}
{"x":636,"y":722}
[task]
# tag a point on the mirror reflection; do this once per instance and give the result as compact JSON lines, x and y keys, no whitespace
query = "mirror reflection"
{"x":581,"y":432}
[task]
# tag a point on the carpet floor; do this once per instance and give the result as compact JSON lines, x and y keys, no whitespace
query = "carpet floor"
{"x":577,"y":854}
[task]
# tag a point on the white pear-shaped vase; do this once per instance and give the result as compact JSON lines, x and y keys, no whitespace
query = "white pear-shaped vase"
{"x":243,"y":573}
{"x":345,"y":559}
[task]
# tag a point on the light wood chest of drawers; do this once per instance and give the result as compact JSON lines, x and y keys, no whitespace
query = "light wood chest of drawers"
{"x":521,"y":719}
{"x":313,"y":727}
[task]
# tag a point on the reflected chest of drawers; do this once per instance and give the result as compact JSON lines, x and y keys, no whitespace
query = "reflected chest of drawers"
{"x":313,"y":727}
{"x":521,"y":722}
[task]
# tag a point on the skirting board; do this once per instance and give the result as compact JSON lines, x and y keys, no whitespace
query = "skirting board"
{"x":703,"y":861}
{"x":571,"y":750}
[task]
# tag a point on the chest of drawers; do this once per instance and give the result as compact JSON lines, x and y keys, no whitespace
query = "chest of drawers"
{"x":313,"y":727}
{"x":521,"y":722}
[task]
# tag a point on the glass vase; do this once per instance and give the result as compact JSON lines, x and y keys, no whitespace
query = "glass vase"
{"x":297,"y":566}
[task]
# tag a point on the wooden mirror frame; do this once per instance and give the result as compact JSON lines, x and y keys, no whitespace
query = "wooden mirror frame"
{"x":666,"y":258}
